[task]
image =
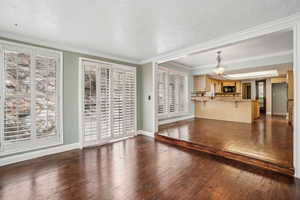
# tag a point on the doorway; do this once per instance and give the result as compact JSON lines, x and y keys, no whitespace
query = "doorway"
{"x":279,"y":99}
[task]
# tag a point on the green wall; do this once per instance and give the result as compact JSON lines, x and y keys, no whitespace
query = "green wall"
{"x":71,"y":90}
{"x":147,"y":118}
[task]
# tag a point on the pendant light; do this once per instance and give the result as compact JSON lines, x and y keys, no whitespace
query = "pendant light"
{"x":219,"y":70}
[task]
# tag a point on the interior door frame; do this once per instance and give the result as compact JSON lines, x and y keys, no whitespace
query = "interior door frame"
{"x":81,"y":102}
{"x":265,"y":93}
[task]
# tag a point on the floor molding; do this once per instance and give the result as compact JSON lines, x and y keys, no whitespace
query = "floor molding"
{"x":146,"y":133}
{"x":36,"y":154}
{"x":171,"y":120}
{"x":282,"y":114}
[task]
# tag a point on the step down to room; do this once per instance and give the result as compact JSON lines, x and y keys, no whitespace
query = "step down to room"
{"x":228,"y":155}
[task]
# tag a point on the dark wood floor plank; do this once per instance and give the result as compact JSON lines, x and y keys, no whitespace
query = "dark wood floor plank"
{"x":267,"y":143}
{"x":269,"y":138}
{"x":140,"y":168}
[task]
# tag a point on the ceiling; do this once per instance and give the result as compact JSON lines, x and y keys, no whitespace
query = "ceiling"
{"x":273,"y":44}
{"x":134,"y":29}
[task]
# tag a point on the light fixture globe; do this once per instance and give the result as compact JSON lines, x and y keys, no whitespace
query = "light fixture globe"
{"x":219,"y":70}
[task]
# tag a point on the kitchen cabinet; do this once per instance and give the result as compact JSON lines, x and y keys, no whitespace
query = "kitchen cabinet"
{"x":205,"y":83}
{"x":238,"y":86}
{"x":217,"y":85}
{"x":228,"y":83}
{"x":201,"y":83}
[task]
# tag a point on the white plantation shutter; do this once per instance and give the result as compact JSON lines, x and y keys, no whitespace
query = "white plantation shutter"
{"x":182,"y":100}
{"x":104,"y":103}
{"x":130,"y":102}
{"x":112,"y":112}
{"x":45,"y":93}
{"x":172,"y":92}
{"x":162,"y":91}
{"x":17,"y":91}
{"x":90,"y":99}
{"x":118,"y":98}
{"x":30,"y":101}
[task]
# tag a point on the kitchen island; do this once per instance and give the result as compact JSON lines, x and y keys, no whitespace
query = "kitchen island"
{"x":227,"y":109}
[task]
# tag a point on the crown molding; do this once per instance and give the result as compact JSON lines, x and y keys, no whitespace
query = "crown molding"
{"x":263,"y":29}
{"x":180,"y":65}
{"x":249,"y":59}
{"x":64,"y":47}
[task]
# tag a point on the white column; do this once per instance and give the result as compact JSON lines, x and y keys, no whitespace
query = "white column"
{"x":155,"y":96}
{"x":296,"y":138}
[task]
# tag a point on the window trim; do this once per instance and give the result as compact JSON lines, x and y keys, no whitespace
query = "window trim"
{"x":176,"y":114}
{"x":47,"y":141}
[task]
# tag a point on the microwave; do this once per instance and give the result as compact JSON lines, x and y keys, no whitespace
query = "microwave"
{"x":229,"y":89}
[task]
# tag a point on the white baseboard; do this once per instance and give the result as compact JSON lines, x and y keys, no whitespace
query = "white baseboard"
{"x":36,"y":154}
{"x":167,"y":121}
{"x":283,"y":114}
{"x":146,"y":133}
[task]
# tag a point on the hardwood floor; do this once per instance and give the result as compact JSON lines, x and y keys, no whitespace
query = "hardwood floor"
{"x":268,"y":139}
{"x":141,"y":168}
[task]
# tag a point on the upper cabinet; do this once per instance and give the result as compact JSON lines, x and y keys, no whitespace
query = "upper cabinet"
{"x":217,"y":85}
{"x":207,"y":84}
{"x":238,"y":86}
{"x":201,"y":83}
{"x":228,"y":83}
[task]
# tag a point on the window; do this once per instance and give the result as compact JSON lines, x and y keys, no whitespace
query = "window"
{"x":30,"y":103}
{"x":109,"y":100}
{"x":172,"y":93}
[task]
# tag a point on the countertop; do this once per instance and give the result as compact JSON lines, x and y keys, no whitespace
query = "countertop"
{"x":223,"y":99}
